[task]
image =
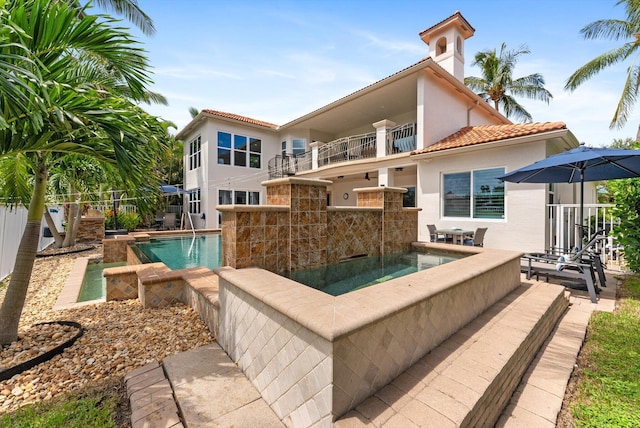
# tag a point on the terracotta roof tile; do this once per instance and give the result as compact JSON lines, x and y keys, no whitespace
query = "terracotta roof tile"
{"x":240,"y":118}
{"x":471,"y":135}
{"x":455,"y":14}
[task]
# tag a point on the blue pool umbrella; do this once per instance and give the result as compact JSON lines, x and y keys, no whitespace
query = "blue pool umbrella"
{"x":579,"y":165}
{"x":169,"y":189}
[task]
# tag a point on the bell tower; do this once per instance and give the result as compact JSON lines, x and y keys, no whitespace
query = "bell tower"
{"x":446,"y":43}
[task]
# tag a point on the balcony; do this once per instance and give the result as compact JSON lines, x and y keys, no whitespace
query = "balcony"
{"x":400,"y":139}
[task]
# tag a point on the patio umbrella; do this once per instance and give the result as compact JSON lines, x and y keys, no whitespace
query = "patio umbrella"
{"x":169,"y":189}
{"x":579,"y":165}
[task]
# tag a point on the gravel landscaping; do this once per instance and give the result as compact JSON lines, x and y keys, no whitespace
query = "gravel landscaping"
{"x":118,"y":337}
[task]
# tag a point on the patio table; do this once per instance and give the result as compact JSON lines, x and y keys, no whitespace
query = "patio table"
{"x":456,"y":234}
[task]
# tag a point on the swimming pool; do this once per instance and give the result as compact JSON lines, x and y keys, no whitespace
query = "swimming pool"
{"x":354,"y":274}
{"x":184,"y":251}
{"x":94,"y":284}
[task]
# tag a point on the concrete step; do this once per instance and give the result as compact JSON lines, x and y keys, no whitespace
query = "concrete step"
{"x":468,"y":380}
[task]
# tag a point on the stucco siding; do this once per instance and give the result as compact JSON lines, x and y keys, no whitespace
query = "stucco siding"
{"x":521,"y":229}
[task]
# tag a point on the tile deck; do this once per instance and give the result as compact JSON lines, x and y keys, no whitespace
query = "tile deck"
{"x":536,"y":401}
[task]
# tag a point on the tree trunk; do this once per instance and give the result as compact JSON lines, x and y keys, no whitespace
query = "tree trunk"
{"x":69,"y":238}
{"x":13,"y":302}
{"x":76,"y":225}
{"x":52,"y":227}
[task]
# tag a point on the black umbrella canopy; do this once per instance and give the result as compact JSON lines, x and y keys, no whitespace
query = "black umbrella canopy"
{"x":579,"y":165}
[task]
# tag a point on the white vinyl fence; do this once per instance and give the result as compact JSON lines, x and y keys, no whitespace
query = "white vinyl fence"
{"x":12,"y":224}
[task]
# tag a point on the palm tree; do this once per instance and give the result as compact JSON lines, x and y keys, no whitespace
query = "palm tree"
{"x":498,"y":85}
{"x":615,"y":29}
{"x":60,"y":45}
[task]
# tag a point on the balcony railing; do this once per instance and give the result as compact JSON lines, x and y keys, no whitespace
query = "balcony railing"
{"x":398,"y":140}
{"x":401,"y":139}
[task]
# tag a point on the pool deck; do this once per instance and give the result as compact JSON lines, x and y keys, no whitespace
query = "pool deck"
{"x":184,"y":384}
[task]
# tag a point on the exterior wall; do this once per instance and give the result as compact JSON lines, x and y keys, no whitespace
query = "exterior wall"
{"x":445,"y":113}
{"x":522,"y":228}
{"x":211,"y":176}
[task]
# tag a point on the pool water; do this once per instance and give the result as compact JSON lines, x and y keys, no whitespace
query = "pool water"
{"x":94,"y":285}
{"x":351,"y":275}
{"x":185,"y":251}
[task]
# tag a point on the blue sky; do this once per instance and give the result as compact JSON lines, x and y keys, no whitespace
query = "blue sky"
{"x":278,"y":60}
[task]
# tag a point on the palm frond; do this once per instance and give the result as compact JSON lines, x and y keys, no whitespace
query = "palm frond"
{"x":598,"y":64}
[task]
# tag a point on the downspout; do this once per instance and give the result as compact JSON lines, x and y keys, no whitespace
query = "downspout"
{"x":469,"y":112}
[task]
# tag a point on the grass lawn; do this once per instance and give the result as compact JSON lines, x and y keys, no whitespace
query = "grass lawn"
{"x":104,"y":406}
{"x":608,"y":389}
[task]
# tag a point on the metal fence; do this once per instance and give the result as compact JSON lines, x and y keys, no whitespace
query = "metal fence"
{"x":566,"y":232}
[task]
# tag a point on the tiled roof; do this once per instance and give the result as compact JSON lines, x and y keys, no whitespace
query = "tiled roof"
{"x":456,"y":14}
{"x":471,"y":135}
{"x":241,"y":118}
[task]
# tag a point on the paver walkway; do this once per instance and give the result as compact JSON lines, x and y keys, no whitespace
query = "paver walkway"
{"x":211,"y":391}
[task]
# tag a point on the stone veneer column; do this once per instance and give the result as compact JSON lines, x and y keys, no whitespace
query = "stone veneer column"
{"x":394,"y":216}
{"x":307,"y":200}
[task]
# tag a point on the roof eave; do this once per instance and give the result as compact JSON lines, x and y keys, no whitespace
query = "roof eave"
{"x":563,"y":134}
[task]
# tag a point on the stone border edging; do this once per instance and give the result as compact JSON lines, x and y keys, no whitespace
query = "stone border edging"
{"x":12,"y":371}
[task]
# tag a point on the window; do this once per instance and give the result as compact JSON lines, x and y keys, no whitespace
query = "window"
{"x":225,"y":197}
{"x":283,"y":148}
{"x":194,"y":153}
{"x":255,"y":153}
{"x":409,"y":197}
{"x":245,"y":151}
{"x":299,"y":146}
{"x":194,"y":201}
{"x":486,"y":200}
{"x":239,"y":197}
{"x":224,"y":148}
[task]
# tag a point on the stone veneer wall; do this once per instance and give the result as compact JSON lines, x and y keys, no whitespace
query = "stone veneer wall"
{"x":115,"y":249}
{"x":91,"y":229}
{"x":296,"y":230}
{"x":256,"y":236}
{"x":353,"y":232}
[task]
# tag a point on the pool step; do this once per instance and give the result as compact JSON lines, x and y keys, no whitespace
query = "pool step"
{"x":468,"y":380}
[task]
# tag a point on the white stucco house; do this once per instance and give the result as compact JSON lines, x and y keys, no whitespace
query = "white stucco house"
{"x":420,"y":128}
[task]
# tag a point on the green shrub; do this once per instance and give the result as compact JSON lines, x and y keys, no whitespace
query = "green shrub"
{"x":128,"y":221}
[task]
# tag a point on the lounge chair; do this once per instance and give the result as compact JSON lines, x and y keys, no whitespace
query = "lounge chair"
{"x":169,"y":221}
{"x":478,"y":238}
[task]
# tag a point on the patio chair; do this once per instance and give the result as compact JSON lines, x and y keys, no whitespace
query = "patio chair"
{"x":435,"y":236}
{"x":169,"y":221}
{"x":478,"y":238}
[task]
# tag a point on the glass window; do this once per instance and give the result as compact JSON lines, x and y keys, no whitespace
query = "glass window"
{"x":254,"y":198}
{"x":409,"y":198}
{"x":255,"y":153}
{"x":225,"y":197}
{"x":456,"y":194}
{"x":488,"y":193}
{"x":299,"y":146}
{"x":486,"y":200}
{"x":245,"y":151}
{"x":241,"y":197}
{"x":239,"y":150}
{"x":224,"y":148}
{"x":194,"y":153}
{"x":194,"y":201}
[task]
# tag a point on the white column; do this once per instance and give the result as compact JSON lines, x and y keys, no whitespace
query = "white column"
{"x":381,"y":136}
{"x":315,"y":145}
